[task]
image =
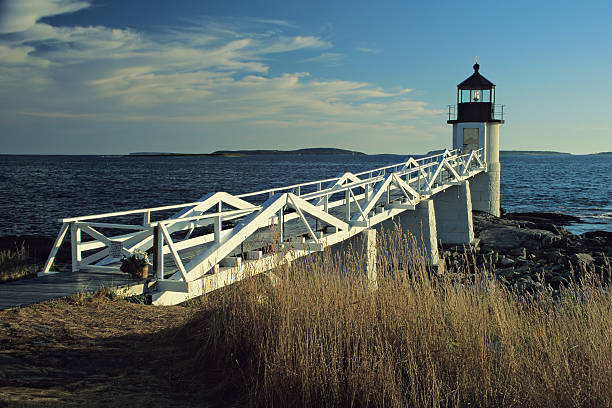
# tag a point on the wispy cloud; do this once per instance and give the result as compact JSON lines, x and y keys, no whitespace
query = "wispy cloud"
{"x":198,"y":73}
{"x":329,"y":58}
{"x":22,"y":15}
{"x":368,"y":50}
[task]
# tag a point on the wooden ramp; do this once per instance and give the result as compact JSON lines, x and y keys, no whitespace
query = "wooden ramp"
{"x":36,"y":290}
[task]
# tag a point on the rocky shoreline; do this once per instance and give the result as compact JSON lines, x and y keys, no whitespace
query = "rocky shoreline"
{"x":530,"y":252}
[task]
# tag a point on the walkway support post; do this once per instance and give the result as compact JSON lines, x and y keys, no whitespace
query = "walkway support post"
{"x":454,"y":215}
{"x":363,"y":247}
{"x":371,"y":256}
{"x":421,"y":224}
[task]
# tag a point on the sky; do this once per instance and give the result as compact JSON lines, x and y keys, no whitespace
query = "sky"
{"x":195,"y":76}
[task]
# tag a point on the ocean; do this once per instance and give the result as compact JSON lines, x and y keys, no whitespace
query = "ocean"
{"x":39,"y":190}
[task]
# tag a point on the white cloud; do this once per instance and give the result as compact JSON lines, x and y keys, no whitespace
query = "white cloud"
{"x":367,"y":50}
{"x":20,"y":15}
{"x":199,"y":74}
{"x":285,"y":44}
{"x":329,"y":58}
{"x":20,"y":55}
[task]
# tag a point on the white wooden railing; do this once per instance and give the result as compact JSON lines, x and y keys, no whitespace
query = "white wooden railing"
{"x":310,"y":215}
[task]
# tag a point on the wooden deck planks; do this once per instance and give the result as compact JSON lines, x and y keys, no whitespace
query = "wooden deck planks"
{"x":35,"y":290}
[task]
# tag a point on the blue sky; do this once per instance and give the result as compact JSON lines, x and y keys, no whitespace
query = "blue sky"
{"x":106,"y":77}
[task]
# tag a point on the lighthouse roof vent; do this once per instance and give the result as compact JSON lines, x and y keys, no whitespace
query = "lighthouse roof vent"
{"x":476,"y":81}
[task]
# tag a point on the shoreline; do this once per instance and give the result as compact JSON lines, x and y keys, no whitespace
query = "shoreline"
{"x":531,"y":251}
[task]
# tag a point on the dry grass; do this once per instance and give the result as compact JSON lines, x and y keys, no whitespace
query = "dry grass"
{"x":321,"y":337}
{"x":15,"y":264}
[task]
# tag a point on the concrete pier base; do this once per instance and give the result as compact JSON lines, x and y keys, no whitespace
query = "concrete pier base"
{"x":364,"y":252}
{"x":421,"y":224}
{"x":485,"y":189}
{"x":454,"y":215}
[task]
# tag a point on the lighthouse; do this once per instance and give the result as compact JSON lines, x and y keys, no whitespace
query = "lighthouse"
{"x":476,"y":120}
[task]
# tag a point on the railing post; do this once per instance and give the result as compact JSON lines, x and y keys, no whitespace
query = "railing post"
{"x":218,"y":225}
{"x":56,"y":246}
{"x":347,"y":208}
{"x":158,"y":257}
{"x":75,"y":241}
{"x":281,"y":224}
{"x":146,"y":217}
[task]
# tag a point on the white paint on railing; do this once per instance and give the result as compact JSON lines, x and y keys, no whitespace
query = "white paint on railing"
{"x":367,"y":198}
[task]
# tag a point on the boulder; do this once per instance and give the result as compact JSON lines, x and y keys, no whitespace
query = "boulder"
{"x":584,"y":259}
{"x":509,"y":238}
{"x":518,"y":252}
{"x":542,"y":217}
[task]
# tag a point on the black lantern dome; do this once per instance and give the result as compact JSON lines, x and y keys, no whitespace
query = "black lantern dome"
{"x":475,"y":100}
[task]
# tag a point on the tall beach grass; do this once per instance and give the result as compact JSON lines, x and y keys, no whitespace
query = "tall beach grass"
{"x":15,"y":264}
{"x":321,"y":336}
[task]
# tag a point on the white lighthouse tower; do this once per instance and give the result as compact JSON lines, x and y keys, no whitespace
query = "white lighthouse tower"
{"x":476,"y":121}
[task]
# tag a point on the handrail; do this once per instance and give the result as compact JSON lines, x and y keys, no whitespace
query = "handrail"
{"x":414,"y":179}
{"x":254,"y":193}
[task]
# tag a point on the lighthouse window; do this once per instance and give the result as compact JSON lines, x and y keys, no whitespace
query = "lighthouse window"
{"x":485,"y":96}
{"x":470,"y":139}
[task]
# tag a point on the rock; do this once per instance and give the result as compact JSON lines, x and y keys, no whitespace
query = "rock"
{"x":532,"y":248}
{"x":557,"y":280}
{"x":506,"y":273}
{"x":540,"y":217}
{"x":518,"y":252}
{"x":520,"y":262}
{"x":509,"y":238}
{"x":522,"y":269}
{"x":606,"y":235}
{"x":584,"y":259}
{"x":556,"y":268}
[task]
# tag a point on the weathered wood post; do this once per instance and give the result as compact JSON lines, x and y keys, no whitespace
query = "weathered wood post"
{"x":158,"y":254}
{"x":75,"y":242}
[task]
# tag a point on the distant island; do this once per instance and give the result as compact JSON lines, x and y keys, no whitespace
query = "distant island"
{"x":331,"y":150}
{"x":534,"y":152}
{"x":241,"y":153}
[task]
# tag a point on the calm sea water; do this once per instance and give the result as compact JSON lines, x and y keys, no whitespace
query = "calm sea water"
{"x":38,"y":190}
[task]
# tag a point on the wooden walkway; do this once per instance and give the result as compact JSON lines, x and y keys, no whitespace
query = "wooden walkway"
{"x":28,"y":291}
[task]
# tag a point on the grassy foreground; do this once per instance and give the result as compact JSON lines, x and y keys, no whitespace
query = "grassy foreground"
{"x":321,"y":337}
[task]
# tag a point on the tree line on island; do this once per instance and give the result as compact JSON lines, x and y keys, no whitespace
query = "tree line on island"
{"x":333,"y":151}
